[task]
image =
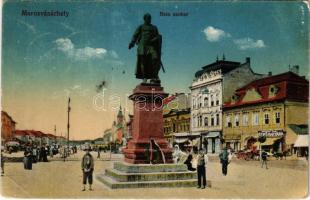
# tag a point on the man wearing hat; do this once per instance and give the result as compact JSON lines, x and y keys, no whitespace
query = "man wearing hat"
{"x":87,"y":168}
{"x":201,"y":169}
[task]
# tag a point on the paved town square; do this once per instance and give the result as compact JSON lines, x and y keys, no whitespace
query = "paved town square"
{"x":155,"y":100}
{"x":245,"y":179}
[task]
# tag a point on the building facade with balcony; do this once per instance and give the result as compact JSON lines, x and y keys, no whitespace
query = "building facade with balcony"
{"x":268,"y":107}
{"x":213,"y":85}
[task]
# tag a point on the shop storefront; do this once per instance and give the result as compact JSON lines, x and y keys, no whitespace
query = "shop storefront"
{"x":186,"y":140}
{"x":213,"y":144}
{"x":302,"y":145}
{"x":233,"y":142}
{"x":275,"y":140}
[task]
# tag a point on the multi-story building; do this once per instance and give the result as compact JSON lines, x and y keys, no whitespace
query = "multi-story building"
{"x":8,"y":127}
{"x":176,"y":116}
{"x":213,"y":85}
{"x":177,"y":125}
{"x":268,"y":107}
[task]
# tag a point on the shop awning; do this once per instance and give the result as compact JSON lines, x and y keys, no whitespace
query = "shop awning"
{"x":182,"y":134}
{"x":213,"y":134}
{"x":302,"y":141}
{"x":268,"y":142}
{"x":180,"y":140}
{"x":185,"y":134}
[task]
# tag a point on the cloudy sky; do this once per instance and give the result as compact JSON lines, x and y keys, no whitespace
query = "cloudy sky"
{"x":47,"y":59}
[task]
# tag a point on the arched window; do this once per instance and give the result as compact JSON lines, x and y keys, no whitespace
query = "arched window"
{"x":206,"y":102}
{"x":206,"y":121}
{"x":217,"y":100}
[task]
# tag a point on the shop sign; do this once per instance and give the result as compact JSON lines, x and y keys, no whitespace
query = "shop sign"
{"x":271,"y":133}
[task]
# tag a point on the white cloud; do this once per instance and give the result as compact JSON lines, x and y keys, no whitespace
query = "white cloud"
{"x":249,"y":43}
{"x":215,"y":34}
{"x":66,"y":46}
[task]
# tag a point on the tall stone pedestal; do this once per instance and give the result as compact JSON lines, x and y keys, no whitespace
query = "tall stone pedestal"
{"x":147,"y":126}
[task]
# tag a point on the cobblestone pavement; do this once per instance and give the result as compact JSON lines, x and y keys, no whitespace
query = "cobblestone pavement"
{"x":245,"y":179}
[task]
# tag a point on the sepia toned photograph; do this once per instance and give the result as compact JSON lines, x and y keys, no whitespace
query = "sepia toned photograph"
{"x":154,"y":100}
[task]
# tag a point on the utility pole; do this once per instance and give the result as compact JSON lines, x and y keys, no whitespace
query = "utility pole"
{"x":55,"y":134}
{"x":68,"y":125}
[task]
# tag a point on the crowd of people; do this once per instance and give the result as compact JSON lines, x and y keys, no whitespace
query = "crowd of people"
{"x":34,"y":154}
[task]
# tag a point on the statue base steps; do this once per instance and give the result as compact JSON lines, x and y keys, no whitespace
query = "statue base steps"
{"x":125,"y":175}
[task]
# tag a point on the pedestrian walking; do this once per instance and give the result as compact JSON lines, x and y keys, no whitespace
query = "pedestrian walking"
{"x":264,"y":159}
{"x":44,"y":153}
{"x":28,"y":158}
{"x":34,"y":154}
{"x":51,"y":151}
{"x":201,"y":170}
{"x":98,"y":152}
{"x":224,"y":160}
{"x":37,"y":153}
{"x":2,"y":163}
{"x":87,"y":168}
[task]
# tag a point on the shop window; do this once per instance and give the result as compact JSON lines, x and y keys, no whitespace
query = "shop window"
{"x":277,"y":117}
{"x":266,"y":117}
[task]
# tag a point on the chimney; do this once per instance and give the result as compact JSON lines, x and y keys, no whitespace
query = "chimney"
{"x":269,"y":73}
{"x":248,"y":60}
{"x":295,"y":69}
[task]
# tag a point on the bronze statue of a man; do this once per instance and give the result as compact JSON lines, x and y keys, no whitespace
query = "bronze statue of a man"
{"x":149,"y":42}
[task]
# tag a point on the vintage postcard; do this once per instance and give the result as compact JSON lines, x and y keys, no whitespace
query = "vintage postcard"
{"x":155,"y":99}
